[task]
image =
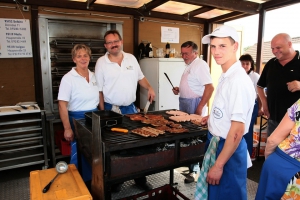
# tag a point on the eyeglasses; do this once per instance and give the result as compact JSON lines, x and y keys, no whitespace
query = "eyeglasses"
{"x":113,"y":42}
{"x":186,"y":54}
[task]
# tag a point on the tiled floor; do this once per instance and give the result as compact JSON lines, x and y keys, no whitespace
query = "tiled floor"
{"x":14,"y":184}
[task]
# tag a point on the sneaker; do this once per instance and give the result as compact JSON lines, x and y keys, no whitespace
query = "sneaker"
{"x":190,"y":178}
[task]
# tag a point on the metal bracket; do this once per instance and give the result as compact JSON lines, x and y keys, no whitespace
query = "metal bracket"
{"x":89,"y":3}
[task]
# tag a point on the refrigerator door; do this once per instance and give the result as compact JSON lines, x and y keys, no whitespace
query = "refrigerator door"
{"x":154,"y":69}
{"x":167,"y":99}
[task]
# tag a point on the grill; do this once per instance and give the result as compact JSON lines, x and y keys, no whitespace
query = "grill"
{"x":102,"y":149}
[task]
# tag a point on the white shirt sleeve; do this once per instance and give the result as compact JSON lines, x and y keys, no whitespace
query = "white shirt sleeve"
{"x":65,"y":89}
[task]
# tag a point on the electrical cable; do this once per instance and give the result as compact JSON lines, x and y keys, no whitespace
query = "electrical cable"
{"x":17,"y":3}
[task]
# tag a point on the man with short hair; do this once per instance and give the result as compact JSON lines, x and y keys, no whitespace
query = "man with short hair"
{"x":117,"y":74}
{"x":281,"y":78}
{"x":223,"y":174}
{"x":194,"y":91}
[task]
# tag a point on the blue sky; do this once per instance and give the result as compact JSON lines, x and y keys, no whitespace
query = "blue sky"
{"x":281,"y":20}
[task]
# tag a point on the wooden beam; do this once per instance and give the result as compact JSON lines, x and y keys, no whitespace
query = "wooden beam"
{"x":274,"y":4}
{"x":236,"y":5}
{"x":201,"y":10}
{"x":233,"y":18}
{"x":169,"y":16}
{"x":226,"y":17}
{"x":153,"y":4}
{"x":260,"y":39}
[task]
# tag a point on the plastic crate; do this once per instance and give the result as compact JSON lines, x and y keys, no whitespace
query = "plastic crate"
{"x":65,"y":147}
{"x":58,"y":136}
{"x":165,"y":192}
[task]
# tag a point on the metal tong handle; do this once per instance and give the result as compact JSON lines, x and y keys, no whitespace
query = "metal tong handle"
{"x":169,"y":80}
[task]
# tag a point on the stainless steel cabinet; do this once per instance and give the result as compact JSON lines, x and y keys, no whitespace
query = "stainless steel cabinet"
{"x":22,"y":139}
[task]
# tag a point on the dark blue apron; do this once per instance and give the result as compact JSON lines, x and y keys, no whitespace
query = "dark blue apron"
{"x":234,"y":179}
{"x":249,"y":136}
{"x":124,"y":109}
{"x":86,"y":167}
{"x":277,"y":171}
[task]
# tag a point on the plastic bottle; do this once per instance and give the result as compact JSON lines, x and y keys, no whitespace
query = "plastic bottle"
{"x":167,"y":50}
{"x":150,"y":51}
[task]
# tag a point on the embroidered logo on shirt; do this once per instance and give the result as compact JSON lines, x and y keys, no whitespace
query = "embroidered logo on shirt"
{"x":129,"y":68}
{"x":217,"y":113}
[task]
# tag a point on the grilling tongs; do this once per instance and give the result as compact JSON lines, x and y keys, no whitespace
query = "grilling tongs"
{"x":146,"y":107}
{"x":169,"y":80}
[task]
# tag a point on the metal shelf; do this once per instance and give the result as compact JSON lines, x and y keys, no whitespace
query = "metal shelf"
{"x":20,"y":130}
{"x":16,"y":137}
{"x":19,"y":121}
{"x":22,"y":140}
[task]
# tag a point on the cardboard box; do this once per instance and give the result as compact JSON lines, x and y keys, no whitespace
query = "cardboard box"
{"x":68,"y":185}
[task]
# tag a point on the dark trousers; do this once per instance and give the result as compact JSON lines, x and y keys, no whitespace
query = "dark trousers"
{"x":272,"y":125}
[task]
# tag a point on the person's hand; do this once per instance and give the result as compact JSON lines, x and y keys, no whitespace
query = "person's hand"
{"x":68,"y":134}
{"x":260,"y":112}
{"x":214,"y":175}
{"x":151,"y":94}
{"x":293,"y":86}
{"x":204,"y":120}
{"x":266,"y":112}
{"x":175,"y":90}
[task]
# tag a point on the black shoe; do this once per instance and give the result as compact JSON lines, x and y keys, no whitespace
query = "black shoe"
{"x":116,"y":187}
{"x":190,"y":178}
{"x":145,"y":186}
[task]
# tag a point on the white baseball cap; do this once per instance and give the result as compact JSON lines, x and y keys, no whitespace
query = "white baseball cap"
{"x":222,"y":31}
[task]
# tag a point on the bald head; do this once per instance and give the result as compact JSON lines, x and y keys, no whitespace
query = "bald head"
{"x":281,"y":46}
{"x":284,"y":37}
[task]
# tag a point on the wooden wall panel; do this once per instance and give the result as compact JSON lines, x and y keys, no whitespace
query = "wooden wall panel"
{"x":150,"y":31}
{"x":16,"y":74}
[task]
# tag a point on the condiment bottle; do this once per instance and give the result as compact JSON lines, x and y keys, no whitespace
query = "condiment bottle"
{"x":167,"y":50}
{"x":150,"y":51}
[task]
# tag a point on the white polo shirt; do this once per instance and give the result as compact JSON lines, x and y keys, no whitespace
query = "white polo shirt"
{"x":234,"y":101}
{"x":118,"y":83}
{"x":198,"y":76}
{"x":79,"y":94}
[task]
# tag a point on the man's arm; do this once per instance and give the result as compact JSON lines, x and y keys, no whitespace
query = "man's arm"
{"x":209,"y":88}
{"x":101,"y":101}
{"x":232,"y":141}
{"x":293,"y":86}
{"x":263,"y":99}
{"x":145,"y":84}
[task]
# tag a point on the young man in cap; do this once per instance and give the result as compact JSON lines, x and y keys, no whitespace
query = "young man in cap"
{"x":224,"y":169}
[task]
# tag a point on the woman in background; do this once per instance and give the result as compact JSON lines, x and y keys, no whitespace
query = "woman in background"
{"x":248,"y":64}
{"x":78,"y":94}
